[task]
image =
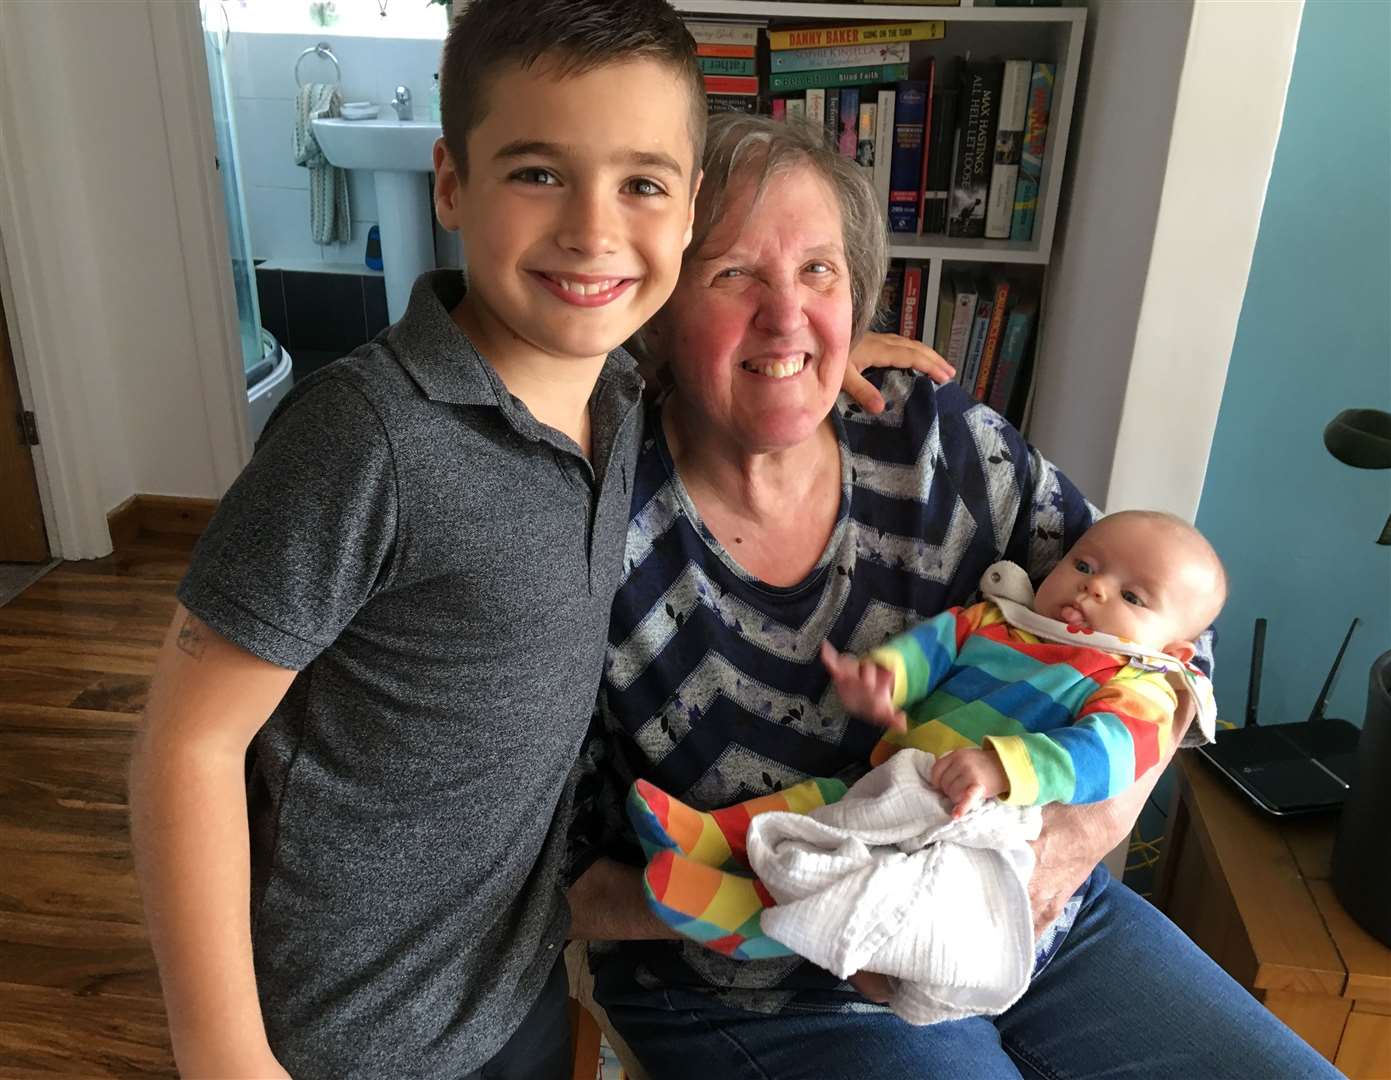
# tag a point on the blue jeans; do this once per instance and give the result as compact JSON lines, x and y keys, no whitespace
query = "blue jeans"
{"x":1123,"y":994}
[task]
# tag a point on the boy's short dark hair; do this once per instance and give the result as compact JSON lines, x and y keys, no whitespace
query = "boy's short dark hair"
{"x":579,"y":35}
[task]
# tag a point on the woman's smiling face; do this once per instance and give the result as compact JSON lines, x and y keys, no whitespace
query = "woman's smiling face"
{"x":758,"y":330}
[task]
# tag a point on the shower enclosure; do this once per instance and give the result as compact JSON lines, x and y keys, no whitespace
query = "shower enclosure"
{"x":267,"y":366}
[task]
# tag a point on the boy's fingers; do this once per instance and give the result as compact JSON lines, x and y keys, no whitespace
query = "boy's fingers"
{"x":863,"y":391}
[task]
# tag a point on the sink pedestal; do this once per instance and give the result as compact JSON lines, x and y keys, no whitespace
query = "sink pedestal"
{"x":408,"y":238}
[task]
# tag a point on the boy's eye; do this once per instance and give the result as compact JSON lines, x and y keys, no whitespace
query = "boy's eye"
{"x":1130,"y":598}
{"x":1082,"y":566}
{"x":641,"y":185}
{"x":536,"y":175}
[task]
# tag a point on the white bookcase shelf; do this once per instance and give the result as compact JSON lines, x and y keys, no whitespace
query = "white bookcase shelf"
{"x":1036,"y":33}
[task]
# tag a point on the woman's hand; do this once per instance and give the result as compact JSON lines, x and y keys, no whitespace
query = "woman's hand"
{"x":890,"y":351}
{"x":864,"y":688}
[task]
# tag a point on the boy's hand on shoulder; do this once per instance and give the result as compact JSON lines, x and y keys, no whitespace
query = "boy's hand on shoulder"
{"x":968,"y":777}
{"x":865,"y":688}
{"x":890,"y":351}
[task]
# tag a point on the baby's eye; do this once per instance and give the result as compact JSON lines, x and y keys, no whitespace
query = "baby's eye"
{"x":536,"y":175}
{"x":1082,"y":566}
{"x":644,"y":187}
{"x":1130,"y":598}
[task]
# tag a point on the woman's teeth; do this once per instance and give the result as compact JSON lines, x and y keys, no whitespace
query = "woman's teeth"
{"x":583,"y":288}
{"x":781,"y":369}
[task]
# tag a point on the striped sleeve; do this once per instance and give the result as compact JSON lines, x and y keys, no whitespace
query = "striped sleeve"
{"x":1120,"y":732}
{"x":920,"y":657}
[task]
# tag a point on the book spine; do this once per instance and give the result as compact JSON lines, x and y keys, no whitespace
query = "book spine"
{"x":905,"y":170}
{"x":796,"y":110}
{"x":849,"y":142}
{"x":1020,"y":326}
{"x":1031,"y":158}
{"x":939,"y":166}
{"x":718,"y":33}
{"x":976,"y":109}
{"x":816,"y":108}
{"x":823,"y":37}
{"x":884,"y":146}
{"x":912,"y":300}
{"x":980,"y":326}
{"x":1009,"y":139}
{"x":726,"y":65}
{"x":727,"y":50}
{"x":737,"y":103}
{"x":963,"y":317}
{"x":731,"y":84}
{"x":926,"y":142}
{"x":780,"y":109}
{"x":864,"y":147}
{"x":867,"y":76}
{"x":998,"y":311}
{"x":941,"y":327}
{"x":833,"y":118}
{"x":850,"y":56}
{"x":891,"y":299}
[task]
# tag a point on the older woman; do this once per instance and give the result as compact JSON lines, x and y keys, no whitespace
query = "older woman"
{"x":770,"y":515}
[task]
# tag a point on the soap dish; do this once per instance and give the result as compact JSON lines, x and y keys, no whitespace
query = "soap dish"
{"x":359,"y":110}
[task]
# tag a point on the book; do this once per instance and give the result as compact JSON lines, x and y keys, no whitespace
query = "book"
{"x":1019,"y":329}
{"x":731,"y":84}
{"x":976,"y":108}
{"x":726,"y":50}
{"x":890,"y":312}
{"x":938,"y":333}
{"x":930,"y":85}
{"x":999,"y":308}
{"x":941,"y":141}
{"x":821,"y":37}
{"x":796,"y":110}
{"x":1031,"y":157}
{"x":864,"y":146}
{"x":962,"y":320}
{"x":723,"y":33}
{"x":780,"y":109}
{"x":861,"y":76}
{"x":846,"y":56}
{"x":905,"y":170}
{"x":723,"y":103}
{"x":1009,"y":138}
{"x":833,"y":118}
{"x":975,"y":348}
{"x":849,"y":141}
{"x":816,"y":108}
{"x":912,"y":300}
{"x":726,"y":65}
{"x":884,"y":146}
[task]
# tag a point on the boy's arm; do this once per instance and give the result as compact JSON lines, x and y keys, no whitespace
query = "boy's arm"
{"x":921,"y":656}
{"x":192,"y":852}
{"x":1120,"y":732}
{"x":607,"y":903}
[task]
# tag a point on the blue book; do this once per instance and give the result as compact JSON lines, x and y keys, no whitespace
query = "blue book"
{"x":980,"y":330}
{"x":905,"y":168}
{"x":1017,"y":331}
{"x":1031,"y":157}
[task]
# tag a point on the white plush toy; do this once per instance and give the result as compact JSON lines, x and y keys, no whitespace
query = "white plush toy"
{"x":1007,"y":581}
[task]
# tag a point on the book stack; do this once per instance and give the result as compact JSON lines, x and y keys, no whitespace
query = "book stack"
{"x":728,"y":54}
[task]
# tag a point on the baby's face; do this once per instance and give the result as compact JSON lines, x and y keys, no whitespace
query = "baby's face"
{"x":1140,"y":579}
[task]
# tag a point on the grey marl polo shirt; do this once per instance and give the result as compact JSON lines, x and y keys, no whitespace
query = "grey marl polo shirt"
{"x":438,"y":566}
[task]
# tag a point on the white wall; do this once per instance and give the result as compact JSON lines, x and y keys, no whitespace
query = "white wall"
{"x":261,"y":72}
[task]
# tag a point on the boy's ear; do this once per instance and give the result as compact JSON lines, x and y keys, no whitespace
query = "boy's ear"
{"x":690,"y":217}
{"x":1182,"y":651}
{"x":447,"y":184}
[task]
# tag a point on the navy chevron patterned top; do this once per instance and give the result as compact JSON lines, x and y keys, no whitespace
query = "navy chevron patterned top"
{"x":713,"y":688}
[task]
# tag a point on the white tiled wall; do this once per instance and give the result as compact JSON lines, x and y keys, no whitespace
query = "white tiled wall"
{"x":261,"y":68}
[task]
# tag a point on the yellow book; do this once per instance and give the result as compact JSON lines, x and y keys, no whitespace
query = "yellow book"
{"x":819,"y":37}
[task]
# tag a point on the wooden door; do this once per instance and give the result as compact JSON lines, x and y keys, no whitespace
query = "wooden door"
{"x":22,"y":536}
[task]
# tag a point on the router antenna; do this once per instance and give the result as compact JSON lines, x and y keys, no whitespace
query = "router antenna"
{"x":1317,"y":714}
{"x":1253,"y":688}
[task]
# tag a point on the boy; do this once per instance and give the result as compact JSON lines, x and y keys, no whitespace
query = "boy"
{"x":421,"y":554}
{"x":986,"y":698}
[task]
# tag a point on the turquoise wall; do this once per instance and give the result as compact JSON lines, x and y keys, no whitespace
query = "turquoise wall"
{"x":1296,"y":528}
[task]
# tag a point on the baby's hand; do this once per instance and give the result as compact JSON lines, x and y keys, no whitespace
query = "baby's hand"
{"x":969,"y":776}
{"x":865,"y":688}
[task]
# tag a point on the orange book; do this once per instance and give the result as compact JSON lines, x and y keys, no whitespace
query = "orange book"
{"x":703,"y":49}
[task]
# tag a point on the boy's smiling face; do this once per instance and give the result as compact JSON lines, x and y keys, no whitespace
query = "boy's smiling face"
{"x":575,"y":209}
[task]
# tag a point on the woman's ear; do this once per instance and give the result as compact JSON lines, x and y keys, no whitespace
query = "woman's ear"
{"x":1182,"y":651}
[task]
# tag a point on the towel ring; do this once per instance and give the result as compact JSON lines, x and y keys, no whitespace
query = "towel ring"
{"x":323,"y":50}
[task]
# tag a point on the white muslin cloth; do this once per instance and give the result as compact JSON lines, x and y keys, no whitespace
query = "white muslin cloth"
{"x":884,"y":880}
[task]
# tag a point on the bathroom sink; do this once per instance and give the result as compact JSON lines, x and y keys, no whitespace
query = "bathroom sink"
{"x":386,"y":144}
{"x":399,"y":155}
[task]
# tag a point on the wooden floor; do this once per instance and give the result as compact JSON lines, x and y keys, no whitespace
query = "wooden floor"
{"x":79,"y":995}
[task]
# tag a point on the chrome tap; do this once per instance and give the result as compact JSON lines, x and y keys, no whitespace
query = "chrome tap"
{"x":402,"y":103}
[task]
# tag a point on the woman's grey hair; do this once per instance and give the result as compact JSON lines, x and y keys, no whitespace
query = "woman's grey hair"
{"x":740,"y":147}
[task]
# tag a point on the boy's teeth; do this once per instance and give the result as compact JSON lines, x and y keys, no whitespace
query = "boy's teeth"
{"x":778,"y":369}
{"x":586,"y":288}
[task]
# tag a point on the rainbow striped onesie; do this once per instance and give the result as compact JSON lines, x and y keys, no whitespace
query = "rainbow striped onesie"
{"x":1071,"y":723}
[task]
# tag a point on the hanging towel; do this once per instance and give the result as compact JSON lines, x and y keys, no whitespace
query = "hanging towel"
{"x":884,"y":880}
{"x":329,"y":219}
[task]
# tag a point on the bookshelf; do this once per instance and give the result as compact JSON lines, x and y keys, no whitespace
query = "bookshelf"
{"x":1050,"y":34}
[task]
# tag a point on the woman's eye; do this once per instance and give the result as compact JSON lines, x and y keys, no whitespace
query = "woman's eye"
{"x":1130,"y":598}
{"x":728,"y":272}
{"x":1082,"y":566}
{"x":819,"y":268}
{"x":645,"y":187}
{"x":536,"y":175}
